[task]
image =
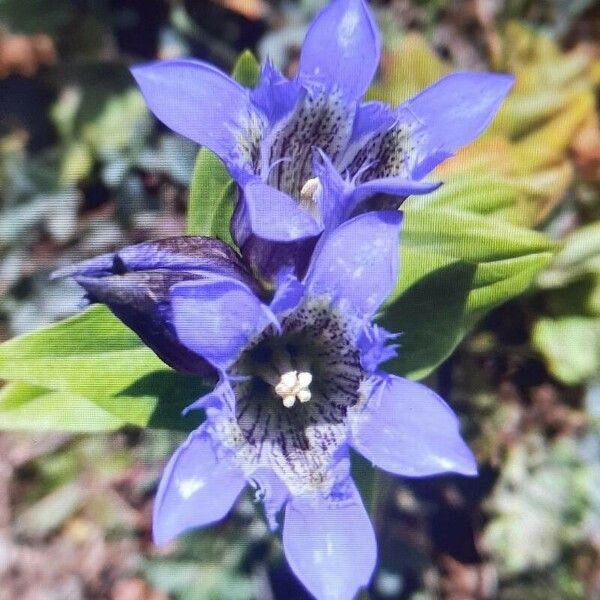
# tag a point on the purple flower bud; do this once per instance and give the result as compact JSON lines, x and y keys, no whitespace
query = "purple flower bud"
{"x":135,"y":282}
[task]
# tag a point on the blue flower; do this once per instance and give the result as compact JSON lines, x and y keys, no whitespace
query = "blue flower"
{"x":299,"y":384}
{"x":307,"y":153}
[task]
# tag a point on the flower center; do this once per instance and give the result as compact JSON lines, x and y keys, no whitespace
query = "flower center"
{"x":294,"y":386}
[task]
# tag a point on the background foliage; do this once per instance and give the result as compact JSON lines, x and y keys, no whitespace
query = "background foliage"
{"x":498,"y":302}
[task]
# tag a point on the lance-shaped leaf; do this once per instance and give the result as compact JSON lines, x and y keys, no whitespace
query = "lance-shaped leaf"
{"x":456,"y":266}
{"x":90,"y":373}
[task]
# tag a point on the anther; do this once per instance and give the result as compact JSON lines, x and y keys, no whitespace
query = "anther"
{"x":308,"y":193}
{"x":294,"y":386}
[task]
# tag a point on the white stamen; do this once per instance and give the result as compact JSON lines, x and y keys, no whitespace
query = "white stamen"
{"x":309,"y":191}
{"x":304,"y":395}
{"x":294,"y":386}
{"x":304,"y":379}
{"x":289,"y":401}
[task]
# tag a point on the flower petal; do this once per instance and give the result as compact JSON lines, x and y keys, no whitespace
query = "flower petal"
{"x":197,"y":101}
{"x":180,"y":253}
{"x":141,"y":301}
{"x":394,"y":186}
{"x":357,"y":264}
{"x":397,"y":187}
{"x":288,"y":294}
{"x":274,"y":216}
{"x":275,"y":96}
{"x":409,"y":430}
{"x":273,"y":232}
{"x":135,"y":281}
{"x":272,"y":492}
{"x":330,"y":544}
{"x":342,"y":48}
{"x":371,"y":117}
{"x":217,"y":318}
{"x":222,"y":396}
{"x":458,"y":107}
{"x":334,"y":194}
{"x":197,"y":488}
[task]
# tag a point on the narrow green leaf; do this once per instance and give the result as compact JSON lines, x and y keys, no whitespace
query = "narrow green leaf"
{"x":212,"y":192}
{"x":156,"y":401}
{"x":209,"y":205}
{"x":90,"y":373}
{"x":430,"y":315}
{"x":456,"y":266}
{"x":29,"y":408}
{"x":92,"y":354}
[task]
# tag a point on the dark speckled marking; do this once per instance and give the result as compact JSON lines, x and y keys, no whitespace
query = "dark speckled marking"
{"x":299,"y":442}
{"x":320,"y":119}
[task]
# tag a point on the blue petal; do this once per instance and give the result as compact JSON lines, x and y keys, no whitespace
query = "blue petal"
{"x":357,"y":264}
{"x":197,"y":101}
{"x":222,"y":396}
{"x":330,"y":544}
{"x":409,"y":430}
{"x":288,"y":294}
{"x":339,"y":199}
{"x":371,"y":117}
{"x":180,"y":253}
{"x":273,"y":215}
{"x":273,"y":231}
{"x":272,"y":492}
{"x":197,"y":488}
{"x":334,"y":196}
{"x":459,"y":106}
{"x":275,"y":96}
{"x":217,"y":318}
{"x":376,"y":347}
{"x":393,"y":186}
{"x":342,"y":48}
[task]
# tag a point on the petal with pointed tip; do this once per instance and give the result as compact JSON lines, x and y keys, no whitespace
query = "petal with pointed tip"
{"x":197,"y":101}
{"x":217,"y":318}
{"x":407,"y":429}
{"x":342,"y":48}
{"x":275,"y":96}
{"x":458,"y":107}
{"x":330,"y":544}
{"x":357,"y":264}
{"x":197,"y":488}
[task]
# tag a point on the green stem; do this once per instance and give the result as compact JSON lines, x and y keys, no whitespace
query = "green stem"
{"x":371,"y":484}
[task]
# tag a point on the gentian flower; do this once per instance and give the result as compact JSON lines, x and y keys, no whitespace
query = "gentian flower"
{"x":299,"y":384}
{"x":307,"y":153}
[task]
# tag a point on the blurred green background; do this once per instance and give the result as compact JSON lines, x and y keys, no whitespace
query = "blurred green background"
{"x":85,"y":169}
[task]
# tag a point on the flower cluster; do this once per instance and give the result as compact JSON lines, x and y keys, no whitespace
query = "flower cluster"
{"x":286,"y":326}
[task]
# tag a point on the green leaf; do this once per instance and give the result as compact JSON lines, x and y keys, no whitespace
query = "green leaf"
{"x":29,"y":408}
{"x":90,"y":373}
{"x":246,"y":70}
{"x":212,"y":191}
{"x":92,"y":354}
{"x":212,"y":198}
{"x":579,"y":257}
{"x":430,"y":314}
{"x":455,"y":267}
{"x":570,"y":345}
